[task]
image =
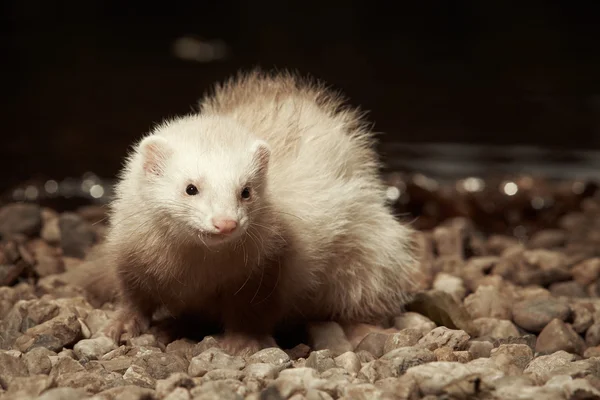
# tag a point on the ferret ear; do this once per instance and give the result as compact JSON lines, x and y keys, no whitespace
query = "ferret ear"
{"x":155,"y":151}
{"x":261,"y":153}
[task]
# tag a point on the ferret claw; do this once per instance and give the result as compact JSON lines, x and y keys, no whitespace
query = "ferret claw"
{"x":134,"y":324}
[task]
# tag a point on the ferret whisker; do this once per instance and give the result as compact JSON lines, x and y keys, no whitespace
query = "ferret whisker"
{"x":262,"y":275}
{"x":256,"y":241}
{"x":244,"y":284}
{"x":271,"y":209}
{"x":270,"y":229}
{"x":276,"y":282}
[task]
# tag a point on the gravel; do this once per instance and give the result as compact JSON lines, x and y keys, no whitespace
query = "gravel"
{"x":496,"y":317}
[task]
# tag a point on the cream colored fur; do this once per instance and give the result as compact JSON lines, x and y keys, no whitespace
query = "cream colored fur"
{"x":321,"y":211}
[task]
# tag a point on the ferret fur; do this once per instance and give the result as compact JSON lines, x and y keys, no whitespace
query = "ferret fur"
{"x":320,"y":242}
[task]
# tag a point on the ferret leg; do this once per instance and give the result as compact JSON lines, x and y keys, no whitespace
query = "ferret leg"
{"x":134,"y":313}
{"x":130,"y":320}
{"x":249,"y":316}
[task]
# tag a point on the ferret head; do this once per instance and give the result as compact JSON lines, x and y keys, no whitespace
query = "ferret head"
{"x":206,"y":174}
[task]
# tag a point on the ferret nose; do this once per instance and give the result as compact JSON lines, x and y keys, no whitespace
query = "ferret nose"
{"x":224,"y":225}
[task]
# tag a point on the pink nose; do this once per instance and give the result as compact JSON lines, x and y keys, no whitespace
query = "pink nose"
{"x":224,"y":225}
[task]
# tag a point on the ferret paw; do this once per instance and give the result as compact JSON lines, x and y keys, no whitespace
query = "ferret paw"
{"x":126,"y":321}
{"x":239,"y":344}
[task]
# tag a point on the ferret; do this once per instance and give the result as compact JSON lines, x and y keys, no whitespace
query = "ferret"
{"x":264,"y":207}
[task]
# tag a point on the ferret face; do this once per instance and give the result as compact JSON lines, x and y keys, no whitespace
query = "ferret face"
{"x":206,"y":179}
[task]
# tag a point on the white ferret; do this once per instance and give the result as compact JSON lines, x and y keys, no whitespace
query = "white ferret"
{"x":266,"y":206}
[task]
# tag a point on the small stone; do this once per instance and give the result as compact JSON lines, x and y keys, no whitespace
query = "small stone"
{"x":582,"y":318}
{"x":476,"y":269}
{"x":118,"y":352}
{"x":145,"y":340}
{"x":20,"y":218}
{"x":261,"y":371}
{"x":207,"y":343}
{"x":213,"y":359}
{"x":407,"y":357}
{"x":548,"y":239}
{"x":126,"y":392}
{"x":450,"y":284}
{"x":272,"y":355}
{"x":497,"y":244}
{"x":431,"y":378}
{"x":30,"y":385}
{"x":221,"y":374}
{"x":398,"y":388}
{"x":63,"y":393}
{"x":532,"y":292}
{"x":96,"y":320}
{"x":178,"y":394}
{"x":463,"y":356}
{"x":542,"y":368}
{"x":176,"y":380}
{"x":298,"y":351}
{"x":51,"y":231}
{"x":295,"y":380}
{"x":488,"y":302}
{"x":161,"y":365}
{"x":365,"y":356}
{"x":183,"y":347}
{"x":442,"y":336}
{"x":76,"y":235}
{"x":362,"y":391}
{"x":404,"y":338}
{"x":587,"y":272}
{"x":495,"y":328}
{"x":349,"y":361}
{"x":95,"y":348}
{"x":592,"y":336}
{"x":558,"y":335}
{"x":313,"y":394}
{"x":48,"y":260}
{"x":479,"y":349}
{"x":592,"y":352}
{"x":568,"y":289}
{"x":534,"y":314}
{"x":414,"y":320}
{"x":445,"y":354}
{"x":92,"y":382}
{"x":137,"y":375}
{"x":225,"y":390}
{"x":512,"y":358}
{"x":38,"y":361}
{"x":329,"y":336}
{"x":54,"y":334}
{"x":117,"y":364}
{"x":11,"y":367}
{"x":65,"y":365}
{"x":320,"y":360}
{"x":374,"y":343}
{"x":443,"y":309}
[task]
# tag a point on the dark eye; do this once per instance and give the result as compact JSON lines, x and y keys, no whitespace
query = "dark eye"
{"x":191,"y":190}
{"x":246,"y":193}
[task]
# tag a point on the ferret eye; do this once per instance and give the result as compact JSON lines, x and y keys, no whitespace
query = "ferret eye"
{"x":191,"y":190}
{"x":246,"y":193}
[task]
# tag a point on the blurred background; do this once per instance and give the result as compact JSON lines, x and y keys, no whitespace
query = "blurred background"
{"x":456,"y":86}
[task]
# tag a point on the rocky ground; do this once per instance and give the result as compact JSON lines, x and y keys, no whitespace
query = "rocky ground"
{"x":500,"y":316}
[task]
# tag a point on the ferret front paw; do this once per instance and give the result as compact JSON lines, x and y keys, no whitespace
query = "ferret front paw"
{"x":128,"y":321}
{"x":240,"y":344}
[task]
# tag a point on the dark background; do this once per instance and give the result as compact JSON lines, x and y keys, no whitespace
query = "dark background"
{"x":83,"y":79}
